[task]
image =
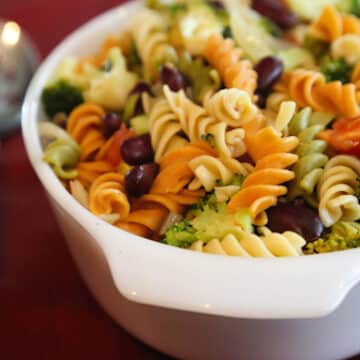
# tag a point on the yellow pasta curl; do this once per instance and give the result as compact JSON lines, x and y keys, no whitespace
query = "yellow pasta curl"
{"x":85,"y":125}
{"x":231,"y":106}
{"x":196,"y":123}
{"x":270,"y":244}
{"x":150,"y":33}
{"x":336,"y":189}
{"x":331,"y":24}
{"x":208,"y":169}
{"x":271,"y":153}
{"x":107,"y":196}
{"x":226,"y":59}
{"x":164,"y":129}
{"x":309,"y":88}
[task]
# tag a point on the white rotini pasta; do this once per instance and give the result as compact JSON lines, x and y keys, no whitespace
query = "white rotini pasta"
{"x":285,"y":114}
{"x":196,"y":123}
{"x":336,"y":190}
{"x":164,"y":127}
{"x":149,"y":30}
{"x":209,"y":169}
{"x":347,"y":47}
{"x":79,"y":192}
{"x":231,"y":106}
{"x":245,"y":244}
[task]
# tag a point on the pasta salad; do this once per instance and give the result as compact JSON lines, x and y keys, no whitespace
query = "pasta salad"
{"x":225,"y":127}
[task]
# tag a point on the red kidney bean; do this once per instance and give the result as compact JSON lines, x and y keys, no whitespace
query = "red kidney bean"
{"x":297,"y":217}
{"x":112,"y":123}
{"x":269,"y":70}
{"x":139,"y":179}
{"x":172,"y":77}
{"x":141,"y":87}
{"x":137,"y":150}
{"x":276,"y":11}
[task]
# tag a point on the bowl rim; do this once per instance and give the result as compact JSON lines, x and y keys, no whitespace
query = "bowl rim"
{"x":118,"y":242}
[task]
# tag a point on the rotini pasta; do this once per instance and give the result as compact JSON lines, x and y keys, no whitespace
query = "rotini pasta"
{"x":226,"y":59}
{"x":270,"y":244}
{"x":88,"y":171}
{"x":331,"y":24}
{"x":209,"y":170}
{"x":309,"y":88}
{"x":312,"y":159}
{"x":85,"y":125}
{"x":272,"y":155}
{"x":336,"y":190}
{"x":196,"y":123}
{"x":151,"y":39}
{"x":107,"y":196}
{"x":231,"y":106}
{"x":164,"y":127}
{"x":347,"y":47}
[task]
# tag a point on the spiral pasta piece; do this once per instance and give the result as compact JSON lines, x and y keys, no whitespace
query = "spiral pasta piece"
{"x":347,"y":47}
{"x":336,"y":190}
{"x":107,"y":196}
{"x":164,"y":129}
{"x":312,"y":159}
{"x":309,"y":88}
{"x":208,"y":170}
{"x":88,"y":171}
{"x":231,"y":106}
{"x":226,"y":59}
{"x":271,"y":153}
{"x":196,"y":123}
{"x":85,"y":125}
{"x":331,"y":24}
{"x":268,"y":245}
{"x":151,"y":38}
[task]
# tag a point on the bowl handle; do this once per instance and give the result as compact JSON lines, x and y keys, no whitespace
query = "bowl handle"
{"x":156,"y":274}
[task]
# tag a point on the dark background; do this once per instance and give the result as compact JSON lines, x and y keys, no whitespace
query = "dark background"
{"x":46,"y":312}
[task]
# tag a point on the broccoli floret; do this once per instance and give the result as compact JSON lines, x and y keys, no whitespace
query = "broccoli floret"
{"x":236,"y":180}
{"x":60,"y":97}
{"x":336,"y":70}
{"x":343,"y":235}
{"x":316,"y":46}
{"x":209,"y":138}
{"x":206,"y":220}
{"x":110,"y":89}
{"x":227,"y":32}
{"x":357,"y":190}
{"x":182,"y":234}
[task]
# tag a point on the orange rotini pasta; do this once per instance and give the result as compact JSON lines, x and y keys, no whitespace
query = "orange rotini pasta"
{"x":272,"y":155}
{"x":309,"y":88}
{"x":331,"y":24}
{"x":226,"y":59}
{"x":88,"y":171}
{"x":107,"y":196}
{"x":85,"y":125}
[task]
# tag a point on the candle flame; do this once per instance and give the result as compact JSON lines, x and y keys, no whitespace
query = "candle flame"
{"x":10,"y":34}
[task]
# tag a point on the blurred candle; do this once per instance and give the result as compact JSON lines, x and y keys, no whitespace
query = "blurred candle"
{"x":10,"y":33}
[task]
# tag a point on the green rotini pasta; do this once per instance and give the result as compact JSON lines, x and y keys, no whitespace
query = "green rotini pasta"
{"x":308,"y":169}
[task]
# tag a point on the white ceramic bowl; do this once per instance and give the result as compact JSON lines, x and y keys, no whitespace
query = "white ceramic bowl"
{"x":191,"y":305}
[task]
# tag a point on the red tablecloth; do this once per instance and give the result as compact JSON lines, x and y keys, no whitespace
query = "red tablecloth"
{"x":46,"y":312}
